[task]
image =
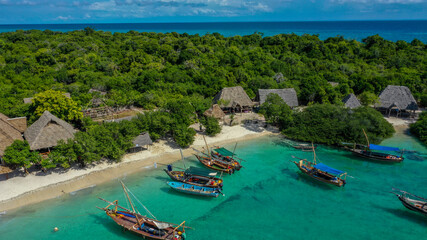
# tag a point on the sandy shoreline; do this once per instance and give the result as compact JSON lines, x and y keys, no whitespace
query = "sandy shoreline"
{"x":20,"y":191}
{"x":400,"y":124}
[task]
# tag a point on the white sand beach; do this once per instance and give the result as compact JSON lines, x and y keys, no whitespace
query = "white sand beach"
{"x":22,"y":190}
{"x":400,"y":124}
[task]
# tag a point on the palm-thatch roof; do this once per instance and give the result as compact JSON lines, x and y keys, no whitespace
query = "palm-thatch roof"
{"x":232,"y":97}
{"x":334,"y":84}
{"x":397,"y":96}
{"x":289,"y":95}
{"x":142,"y":140}
{"x":47,"y":131}
{"x":8,"y":133}
{"x":215,"y":111}
{"x":351,"y":101}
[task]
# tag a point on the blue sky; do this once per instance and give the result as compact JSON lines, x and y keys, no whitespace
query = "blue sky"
{"x":134,"y":11}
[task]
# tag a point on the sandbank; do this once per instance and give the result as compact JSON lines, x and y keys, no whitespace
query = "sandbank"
{"x":36,"y":187}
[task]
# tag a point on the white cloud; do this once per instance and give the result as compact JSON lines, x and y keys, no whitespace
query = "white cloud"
{"x":63,"y":18}
{"x":103,"y":6}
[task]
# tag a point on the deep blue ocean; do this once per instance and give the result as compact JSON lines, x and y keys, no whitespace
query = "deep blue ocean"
{"x":358,"y":30}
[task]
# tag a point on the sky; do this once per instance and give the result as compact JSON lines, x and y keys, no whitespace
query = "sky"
{"x":142,"y":11}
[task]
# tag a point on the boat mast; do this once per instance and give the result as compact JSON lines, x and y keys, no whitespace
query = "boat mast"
{"x":366,"y":136}
{"x":131,"y":204}
{"x":207,"y":147}
{"x":314,"y":153}
{"x":232,"y":156}
{"x":182,"y":157}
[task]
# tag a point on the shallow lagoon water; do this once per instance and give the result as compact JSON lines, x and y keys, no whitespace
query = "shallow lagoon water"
{"x":268,"y":199}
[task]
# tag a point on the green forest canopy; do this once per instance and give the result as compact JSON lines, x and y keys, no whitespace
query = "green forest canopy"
{"x":147,"y":69}
{"x":180,"y":73}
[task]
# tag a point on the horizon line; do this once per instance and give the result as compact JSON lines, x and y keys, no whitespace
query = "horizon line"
{"x":300,"y":21}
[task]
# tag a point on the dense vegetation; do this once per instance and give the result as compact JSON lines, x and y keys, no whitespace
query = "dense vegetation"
{"x":419,"y":128}
{"x":105,"y":141}
{"x":178,"y":74}
{"x":148,"y":69}
{"x":326,"y":123}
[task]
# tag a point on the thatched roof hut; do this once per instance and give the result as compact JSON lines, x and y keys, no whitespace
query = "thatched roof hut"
{"x":289,"y":95}
{"x":233,"y":97}
{"x":351,"y":101}
{"x":397,"y":97}
{"x":334,"y":84}
{"x":141,"y":140}
{"x":10,"y":131}
{"x":47,"y":131}
{"x":215,"y":111}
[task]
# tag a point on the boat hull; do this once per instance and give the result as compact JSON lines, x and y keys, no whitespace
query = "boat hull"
{"x":230,"y":160}
{"x":129,"y":223}
{"x":215,"y":166}
{"x":339,"y":182}
{"x":410,"y":206}
{"x":179,"y":176}
{"x":363,"y":154}
{"x":190,"y":189}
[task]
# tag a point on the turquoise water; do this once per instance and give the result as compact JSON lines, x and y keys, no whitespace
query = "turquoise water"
{"x":268,"y":199}
{"x":390,"y":30}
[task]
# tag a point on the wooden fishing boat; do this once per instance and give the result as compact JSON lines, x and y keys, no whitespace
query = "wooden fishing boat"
{"x":412,"y":202}
{"x":195,"y":176}
{"x":145,"y":227}
{"x":304,"y":147}
{"x":226,"y":156}
{"x":321,"y":172}
{"x":215,"y":164}
{"x":366,"y":151}
{"x":195,"y":190}
{"x":379,"y":156}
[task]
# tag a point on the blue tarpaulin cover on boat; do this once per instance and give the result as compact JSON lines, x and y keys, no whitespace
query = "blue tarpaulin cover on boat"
{"x":327,"y":169}
{"x":383,"y":148}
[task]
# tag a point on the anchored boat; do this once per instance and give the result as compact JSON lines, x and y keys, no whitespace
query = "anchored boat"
{"x":366,"y":151}
{"x":145,"y":227}
{"x":412,"y":202}
{"x":195,"y":176}
{"x":195,"y":190}
{"x":227,"y":156}
{"x":216,"y":164}
{"x":321,"y":172}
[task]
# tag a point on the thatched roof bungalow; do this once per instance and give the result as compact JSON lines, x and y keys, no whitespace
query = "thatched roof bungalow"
{"x":289,"y":95}
{"x":233,"y":99}
{"x":47,"y":131}
{"x":351,"y":101}
{"x":11,"y":129}
{"x":215,"y":111}
{"x":140,"y":141}
{"x":396,"y":98}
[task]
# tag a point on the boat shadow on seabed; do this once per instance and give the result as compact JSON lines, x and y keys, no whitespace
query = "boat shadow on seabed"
{"x":112,"y":227}
{"x":405,"y":214}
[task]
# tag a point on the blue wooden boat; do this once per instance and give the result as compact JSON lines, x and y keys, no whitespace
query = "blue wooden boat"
{"x":195,"y":190}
